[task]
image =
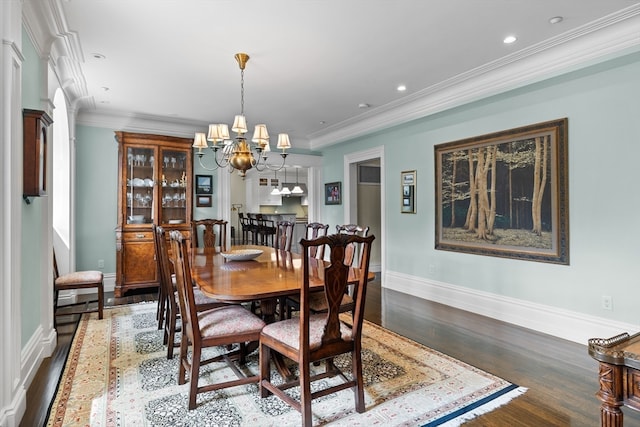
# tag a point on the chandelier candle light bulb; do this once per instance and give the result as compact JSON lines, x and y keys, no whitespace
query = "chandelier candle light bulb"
{"x":237,"y":153}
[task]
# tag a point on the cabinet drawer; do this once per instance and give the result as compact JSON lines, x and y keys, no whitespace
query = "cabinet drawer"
{"x":137,"y":235}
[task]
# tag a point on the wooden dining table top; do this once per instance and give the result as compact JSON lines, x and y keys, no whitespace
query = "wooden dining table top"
{"x":273,"y":274}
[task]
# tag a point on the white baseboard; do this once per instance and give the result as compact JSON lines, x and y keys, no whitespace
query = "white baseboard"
{"x":39,"y":347}
{"x":565,"y":324}
{"x":109,"y":282}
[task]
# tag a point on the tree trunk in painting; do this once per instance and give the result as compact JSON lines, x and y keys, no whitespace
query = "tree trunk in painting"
{"x":539,"y":182}
{"x":470,"y":223}
{"x":486,"y":193}
{"x":492,"y":210}
{"x":454,"y":161}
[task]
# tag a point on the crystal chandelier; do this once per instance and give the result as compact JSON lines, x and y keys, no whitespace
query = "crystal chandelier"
{"x":237,"y":153}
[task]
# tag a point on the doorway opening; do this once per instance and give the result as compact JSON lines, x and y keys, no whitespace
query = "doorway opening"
{"x":363,"y":195}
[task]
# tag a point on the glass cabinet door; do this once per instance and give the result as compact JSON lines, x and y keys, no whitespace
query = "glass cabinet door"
{"x":140,"y":185}
{"x":173,"y":189}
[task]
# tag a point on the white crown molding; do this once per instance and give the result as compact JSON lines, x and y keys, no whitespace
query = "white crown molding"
{"x":565,"y":324}
{"x":603,"y":39}
{"x":140,"y":123}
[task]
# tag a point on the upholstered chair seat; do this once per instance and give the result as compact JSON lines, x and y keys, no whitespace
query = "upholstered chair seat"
{"x":288,"y":331}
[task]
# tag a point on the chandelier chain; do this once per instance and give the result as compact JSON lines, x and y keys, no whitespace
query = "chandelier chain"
{"x":242,"y":92}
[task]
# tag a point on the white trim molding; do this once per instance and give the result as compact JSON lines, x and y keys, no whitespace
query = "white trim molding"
{"x":565,"y":324}
{"x":604,"y":39}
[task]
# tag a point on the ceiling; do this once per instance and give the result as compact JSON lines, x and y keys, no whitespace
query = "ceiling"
{"x":313,"y":62}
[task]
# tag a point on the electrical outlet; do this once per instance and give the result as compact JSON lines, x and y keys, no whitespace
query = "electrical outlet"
{"x":100,"y":263}
{"x":607,"y":302}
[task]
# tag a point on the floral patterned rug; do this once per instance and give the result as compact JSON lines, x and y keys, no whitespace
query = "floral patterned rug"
{"x":117,"y":374}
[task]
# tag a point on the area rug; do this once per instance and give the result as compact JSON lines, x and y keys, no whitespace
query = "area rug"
{"x":117,"y":375}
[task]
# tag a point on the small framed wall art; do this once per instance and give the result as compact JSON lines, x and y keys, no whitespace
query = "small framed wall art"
{"x":203,"y":201}
{"x":408,"y":191}
{"x":204,"y":184}
{"x":333,"y":193}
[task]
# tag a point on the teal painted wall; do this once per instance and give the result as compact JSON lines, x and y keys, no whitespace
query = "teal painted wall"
{"x":97,"y":198}
{"x":32,"y":234}
{"x":603,"y":108}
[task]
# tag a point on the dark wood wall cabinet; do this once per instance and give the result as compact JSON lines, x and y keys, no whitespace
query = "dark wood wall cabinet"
{"x":155,"y":187}
{"x":34,"y":169}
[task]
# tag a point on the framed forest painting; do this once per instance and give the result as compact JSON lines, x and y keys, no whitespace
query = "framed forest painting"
{"x":505,"y":194}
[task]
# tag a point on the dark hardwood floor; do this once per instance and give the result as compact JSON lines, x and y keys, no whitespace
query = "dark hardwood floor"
{"x":560,"y":375}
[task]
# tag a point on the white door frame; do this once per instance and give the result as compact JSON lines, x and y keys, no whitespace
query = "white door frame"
{"x":350,"y":193}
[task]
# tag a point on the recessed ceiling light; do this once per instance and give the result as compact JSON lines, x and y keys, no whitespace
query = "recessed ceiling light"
{"x":401,"y":88}
{"x":105,"y":89}
{"x":363,"y":105}
{"x":509,"y":39}
{"x":322,"y":122}
{"x":98,"y":56}
{"x":555,"y":20}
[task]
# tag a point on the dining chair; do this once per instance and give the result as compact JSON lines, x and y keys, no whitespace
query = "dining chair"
{"x":222,"y":326}
{"x":353,"y":251}
{"x":73,"y":281}
{"x":255,"y":227}
{"x":169,"y":307}
{"x":248,"y":230}
{"x":311,"y":337}
{"x":266,"y":230}
{"x":317,"y":302}
{"x":314,"y":230}
{"x":210,"y":238}
{"x":354,"y":229}
{"x":284,"y":235}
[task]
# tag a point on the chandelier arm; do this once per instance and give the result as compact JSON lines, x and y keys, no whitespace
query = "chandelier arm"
{"x":206,"y":167}
{"x":260,"y":161}
{"x":271,"y":167}
{"x":218,"y":163}
{"x":225,"y":160}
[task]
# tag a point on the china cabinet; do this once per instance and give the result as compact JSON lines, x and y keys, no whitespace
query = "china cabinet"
{"x":155,"y":187}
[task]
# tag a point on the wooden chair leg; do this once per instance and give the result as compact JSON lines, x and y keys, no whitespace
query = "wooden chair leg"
{"x":184,"y":347}
{"x":170,"y":335}
{"x":265,"y":369}
{"x":195,"y":373}
{"x":100,"y":301}
{"x":358,"y":390}
{"x":162,"y":304}
{"x":305,"y":394}
{"x":55,"y":308}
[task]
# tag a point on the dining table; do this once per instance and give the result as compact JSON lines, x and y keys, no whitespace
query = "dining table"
{"x":270,"y":276}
